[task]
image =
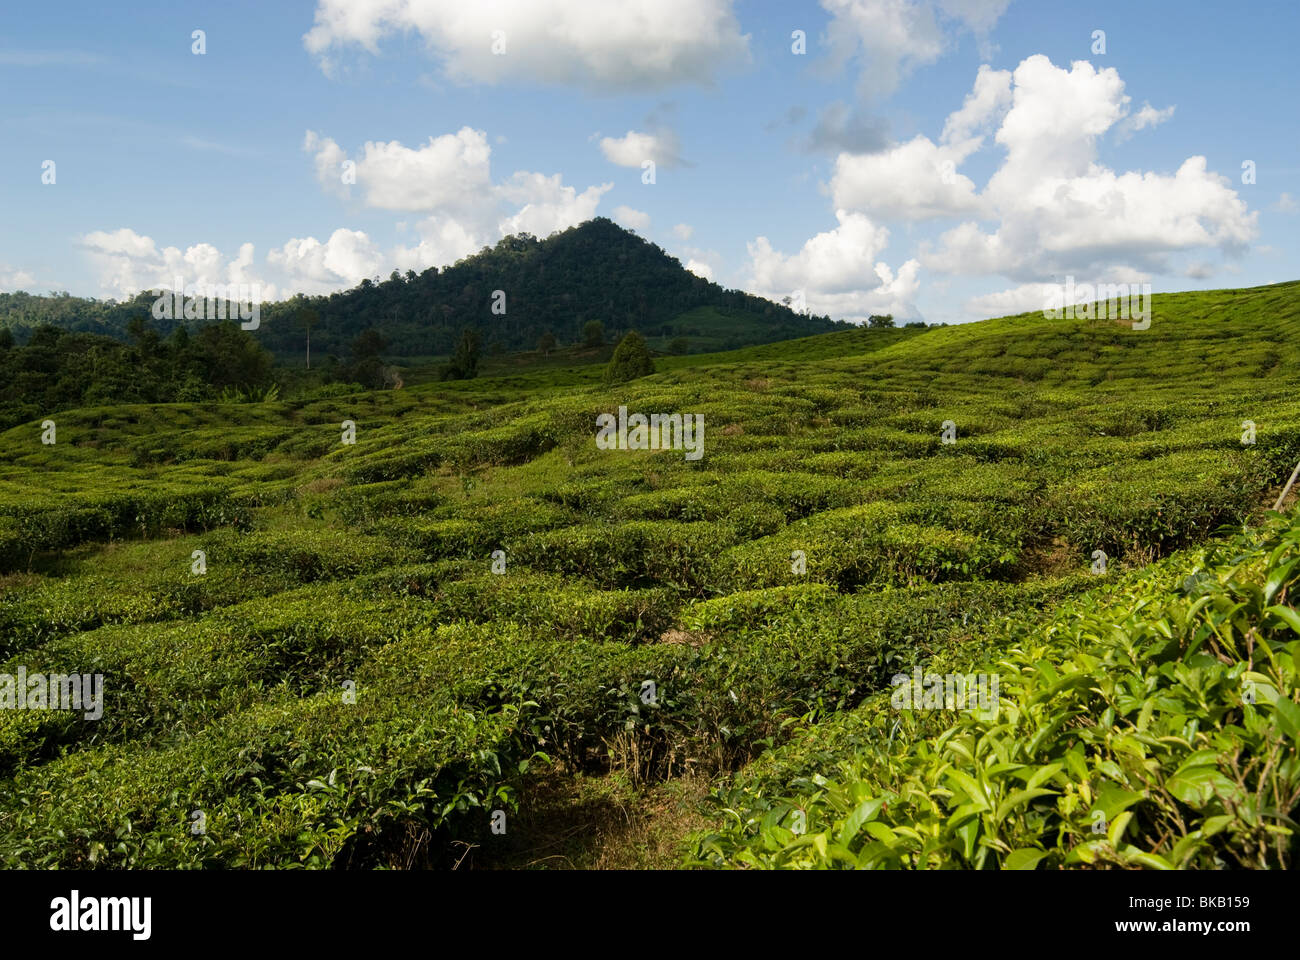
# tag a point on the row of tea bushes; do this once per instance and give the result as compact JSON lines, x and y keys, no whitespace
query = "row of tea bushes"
{"x":313,"y":782}
{"x":35,"y":609}
{"x":55,"y":523}
{"x":165,"y":680}
{"x":862,"y":545}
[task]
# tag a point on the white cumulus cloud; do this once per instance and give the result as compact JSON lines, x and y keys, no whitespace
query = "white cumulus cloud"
{"x":1143,"y":119}
{"x":635,"y":219}
{"x":12,"y":279}
{"x":1058,"y":209}
{"x":1051,"y":206}
{"x":700,"y":268}
{"x":632,"y":44}
{"x":548,"y":205}
{"x":127,"y":262}
{"x":837,"y":272}
{"x":918,"y":180}
{"x":634,"y":148}
{"x":449,"y":178}
{"x":341,"y":261}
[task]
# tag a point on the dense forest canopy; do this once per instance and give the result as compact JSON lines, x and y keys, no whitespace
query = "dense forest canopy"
{"x":57,"y":369}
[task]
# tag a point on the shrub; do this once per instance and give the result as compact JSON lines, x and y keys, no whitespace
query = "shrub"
{"x":631,"y":360}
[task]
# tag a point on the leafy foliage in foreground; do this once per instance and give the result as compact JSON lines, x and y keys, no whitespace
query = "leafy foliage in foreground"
{"x":1155,"y":725}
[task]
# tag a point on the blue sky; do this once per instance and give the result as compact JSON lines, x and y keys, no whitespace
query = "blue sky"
{"x":837,"y":174}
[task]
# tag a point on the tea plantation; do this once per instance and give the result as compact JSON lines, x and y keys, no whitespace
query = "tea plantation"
{"x":386,"y":653}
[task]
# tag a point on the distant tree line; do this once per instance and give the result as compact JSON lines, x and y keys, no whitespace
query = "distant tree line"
{"x":58,"y":369}
{"x":593,"y":273}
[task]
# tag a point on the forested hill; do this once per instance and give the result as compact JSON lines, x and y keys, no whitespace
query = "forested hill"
{"x":594,"y":271}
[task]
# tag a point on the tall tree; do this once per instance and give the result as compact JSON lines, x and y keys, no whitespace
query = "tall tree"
{"x":308,"y":318}
{"x":464,"y":363}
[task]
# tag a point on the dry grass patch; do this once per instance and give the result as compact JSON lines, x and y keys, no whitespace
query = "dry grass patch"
{"x":674,"y":635}
{"x":595,"y":823}
{"x":321,"y":485}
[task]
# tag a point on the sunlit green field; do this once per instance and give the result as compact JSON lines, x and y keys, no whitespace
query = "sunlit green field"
{"x":352,"y":684}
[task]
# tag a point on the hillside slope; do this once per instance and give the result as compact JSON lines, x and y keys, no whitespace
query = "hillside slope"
{"x":828,"y":538}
